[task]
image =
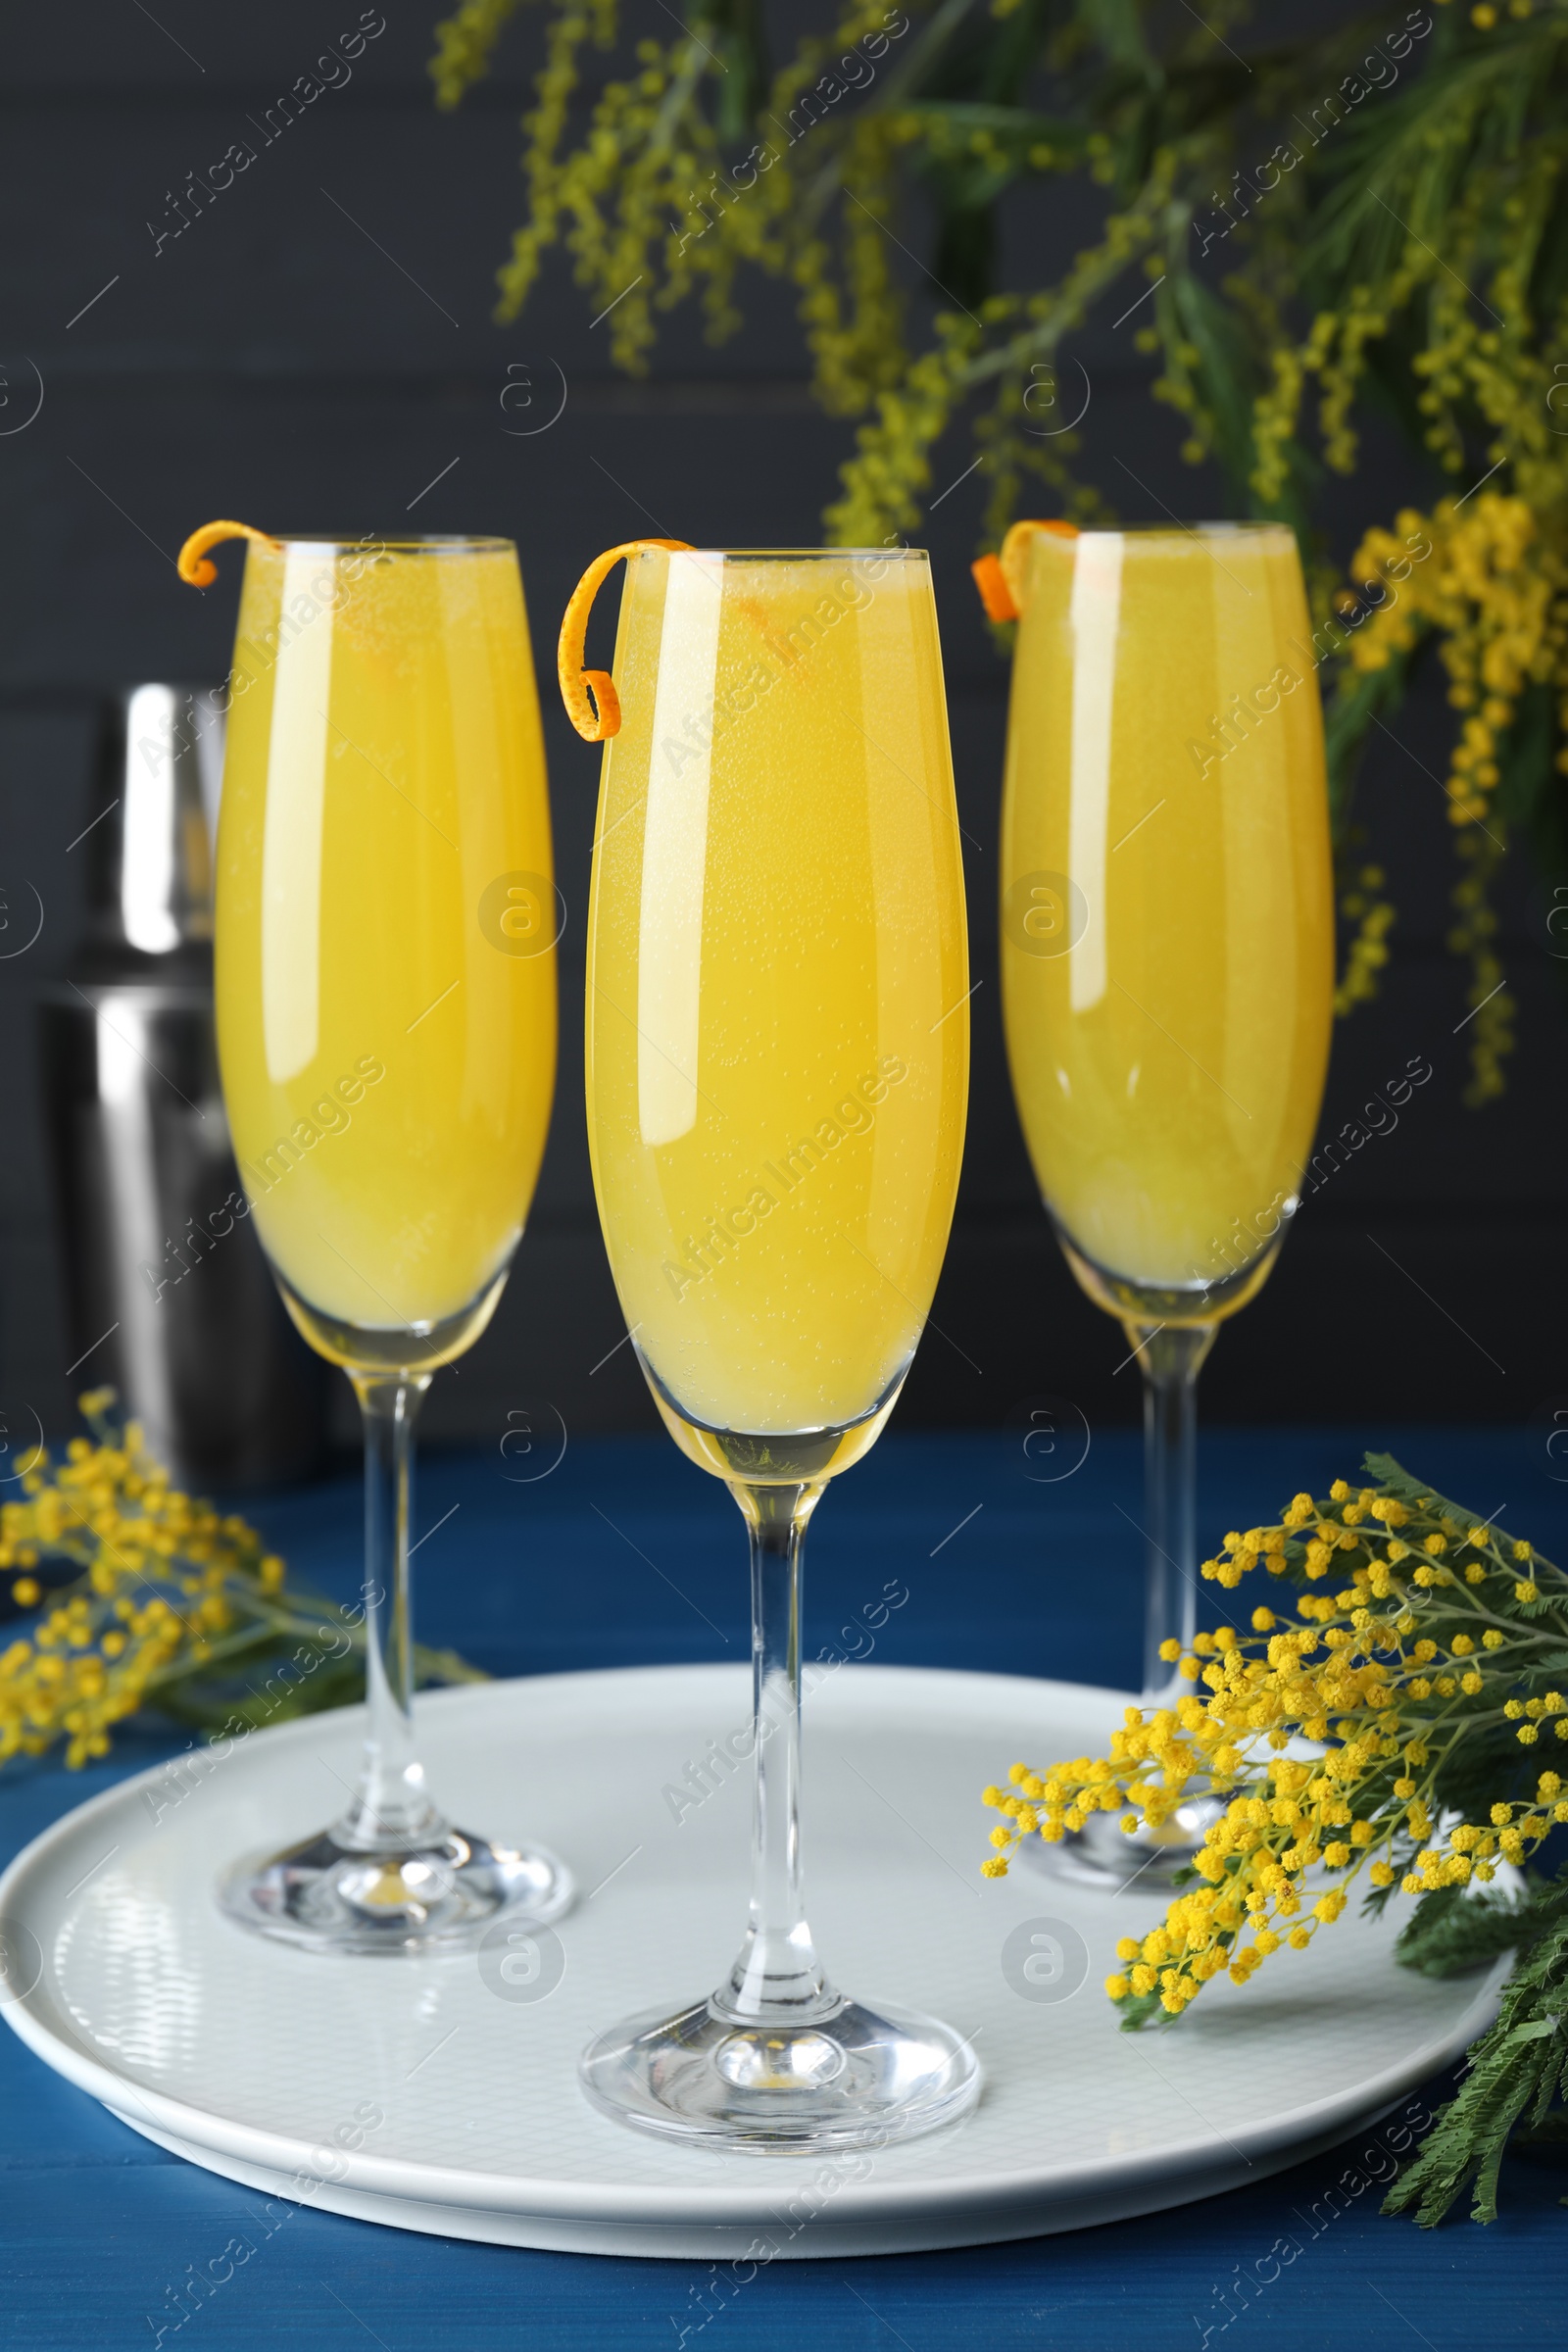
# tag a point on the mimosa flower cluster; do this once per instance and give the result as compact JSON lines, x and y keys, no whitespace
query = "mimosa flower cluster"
{"x":1401,"y":236}
{"x":1392,"y":1710}
{"x":136,"y":1596}
{"x":1493,"y":595}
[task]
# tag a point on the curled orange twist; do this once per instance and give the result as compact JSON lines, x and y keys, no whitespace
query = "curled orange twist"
{"x":191,"y":561}
{"x":592,"y":702}
{"x":998,"y":578}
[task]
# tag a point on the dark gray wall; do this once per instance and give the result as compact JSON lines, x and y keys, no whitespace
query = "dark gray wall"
{"x":312,"y":352}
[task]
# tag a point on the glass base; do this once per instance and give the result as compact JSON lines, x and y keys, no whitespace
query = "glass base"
{"x":853,"y":2078}
{"x":439,"y":1893}
{"x":1102,"y":1854}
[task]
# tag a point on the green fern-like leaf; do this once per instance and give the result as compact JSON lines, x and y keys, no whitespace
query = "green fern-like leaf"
{"x":1142,"y":2009}
{"x":1455,"y":1929}
{"x":1516,"y":2069}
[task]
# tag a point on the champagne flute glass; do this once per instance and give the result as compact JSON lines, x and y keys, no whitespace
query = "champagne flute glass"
{"x":1168,"y":968}
{"x":386,"y":1025}
{"x":777,"y":1071}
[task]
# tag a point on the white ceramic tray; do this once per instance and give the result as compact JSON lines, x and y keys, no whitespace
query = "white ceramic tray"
{"x":441,"y":2094}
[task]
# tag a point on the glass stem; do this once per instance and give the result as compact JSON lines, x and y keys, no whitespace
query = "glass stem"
{"x":391,"y":1807}
{"x":1171,"y":1356}
{"x":777,"y":1977}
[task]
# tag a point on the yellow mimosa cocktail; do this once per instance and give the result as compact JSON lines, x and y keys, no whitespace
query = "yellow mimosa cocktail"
{"x":1167,"y":967}
{"x":777,"y":1045}
{"x":1168,"y":903}
{"x":387,"y":1032}
{"x":779,"y":1057}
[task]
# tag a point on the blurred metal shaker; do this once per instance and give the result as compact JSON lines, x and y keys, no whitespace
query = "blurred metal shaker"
{"x":170,"y":1298}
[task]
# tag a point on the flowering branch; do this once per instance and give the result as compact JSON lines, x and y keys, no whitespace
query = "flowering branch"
{"x":164,"y":1604}
{"x":1378,"y":1716}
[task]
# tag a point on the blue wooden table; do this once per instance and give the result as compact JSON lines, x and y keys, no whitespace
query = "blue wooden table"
{"x":624,"y":1554}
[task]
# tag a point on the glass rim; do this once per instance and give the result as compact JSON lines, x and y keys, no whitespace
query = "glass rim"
{"x":1177,"y":530}
{"x":409,"y":543}
{"x":797,"y":555}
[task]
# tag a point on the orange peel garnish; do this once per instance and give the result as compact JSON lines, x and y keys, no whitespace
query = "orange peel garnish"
{"x":191,"y":561}
{"x":995,"y":594}
{"x":1000,"y":578}
{"x":592,"y":702}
